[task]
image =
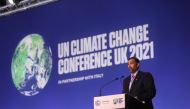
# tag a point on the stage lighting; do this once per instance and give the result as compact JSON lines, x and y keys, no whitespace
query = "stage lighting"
{"x":11,"y":2}
{"x":13,"y":6}
{"x":14,"y":1}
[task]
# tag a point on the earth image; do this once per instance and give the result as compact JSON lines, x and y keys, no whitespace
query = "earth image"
{"x":31,"y":65}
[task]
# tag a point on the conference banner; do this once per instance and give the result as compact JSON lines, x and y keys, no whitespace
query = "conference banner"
{"x":63,"y":54}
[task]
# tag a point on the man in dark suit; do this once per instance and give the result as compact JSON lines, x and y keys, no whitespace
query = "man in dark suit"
{"x":139,"y":85}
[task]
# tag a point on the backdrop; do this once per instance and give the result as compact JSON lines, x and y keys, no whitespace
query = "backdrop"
{"x":59,"y":55}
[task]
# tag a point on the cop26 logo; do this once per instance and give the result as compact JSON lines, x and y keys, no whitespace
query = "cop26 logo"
{"x":118,"y":100}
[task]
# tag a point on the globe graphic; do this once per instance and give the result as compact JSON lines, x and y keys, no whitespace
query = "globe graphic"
{"x":31,"y":65}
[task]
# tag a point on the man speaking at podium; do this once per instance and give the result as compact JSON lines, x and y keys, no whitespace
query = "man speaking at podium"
{"x":139,"y":85}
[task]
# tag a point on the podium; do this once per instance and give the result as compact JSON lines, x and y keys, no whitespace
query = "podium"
{"x":118,"y":101}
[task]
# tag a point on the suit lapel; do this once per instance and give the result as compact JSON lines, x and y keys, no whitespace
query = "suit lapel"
{"x":135,"y":81}
{"x":128,"y":81}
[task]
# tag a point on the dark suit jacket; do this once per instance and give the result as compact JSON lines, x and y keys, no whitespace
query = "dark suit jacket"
{"x":143,"y":88}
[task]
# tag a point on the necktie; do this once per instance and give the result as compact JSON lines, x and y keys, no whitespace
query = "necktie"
{"x":133,"y":78}
{"x":131,"y":82}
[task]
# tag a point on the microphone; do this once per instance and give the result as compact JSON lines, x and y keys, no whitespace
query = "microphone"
{"x":121,"y":82}
{"x":122,"y":77}
{"x":109,"y":82}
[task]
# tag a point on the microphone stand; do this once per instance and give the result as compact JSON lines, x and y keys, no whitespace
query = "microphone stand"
{"x":100,"y":91}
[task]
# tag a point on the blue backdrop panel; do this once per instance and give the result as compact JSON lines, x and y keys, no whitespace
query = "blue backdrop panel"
{"x":68,"y":20}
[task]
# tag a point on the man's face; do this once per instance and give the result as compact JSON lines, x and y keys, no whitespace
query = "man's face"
{"x":133,"y":65}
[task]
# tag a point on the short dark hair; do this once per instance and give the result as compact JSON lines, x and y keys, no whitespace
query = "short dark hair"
{"x":135,"y":58}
